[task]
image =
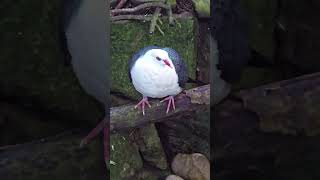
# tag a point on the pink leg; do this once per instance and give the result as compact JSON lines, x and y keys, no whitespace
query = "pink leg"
{"x":101,"y":126}
{"x":171,"y":102}
{"x":106,"y":144}
{"x":143,"y":102}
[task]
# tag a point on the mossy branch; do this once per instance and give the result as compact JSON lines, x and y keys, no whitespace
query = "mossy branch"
{"x":126,"y":116}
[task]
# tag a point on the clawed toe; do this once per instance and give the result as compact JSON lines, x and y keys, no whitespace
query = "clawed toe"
{"x":143,"y":102}
{"x":170,"y":100}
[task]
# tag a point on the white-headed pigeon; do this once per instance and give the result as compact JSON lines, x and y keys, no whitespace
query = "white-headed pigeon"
{"x":157,"y":73}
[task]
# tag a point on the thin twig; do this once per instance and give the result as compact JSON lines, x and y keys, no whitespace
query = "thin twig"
{"x":169,"y":11}
{"x":120,"y":4}
{"x":137,"y":8}
{"x":160,"y":30}
{"x":154,"y":20}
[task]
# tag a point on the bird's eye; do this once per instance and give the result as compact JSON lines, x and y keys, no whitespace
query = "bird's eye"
{"x":158,"y":58}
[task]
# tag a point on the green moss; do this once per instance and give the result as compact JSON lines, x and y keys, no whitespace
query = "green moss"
{"x":151,"y":149}
{"x":173,"y":3}
{"x":126,"y":157}
{"x":202,"y":7}
{"x":128,"y":38}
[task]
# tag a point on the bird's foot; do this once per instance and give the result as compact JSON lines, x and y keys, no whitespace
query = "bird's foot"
{"x":143,"y":102}
{"x":102,"y":126}
{"x":170,"y":103}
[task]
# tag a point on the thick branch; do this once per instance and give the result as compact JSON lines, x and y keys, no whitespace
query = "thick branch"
{"x":127,"y":117}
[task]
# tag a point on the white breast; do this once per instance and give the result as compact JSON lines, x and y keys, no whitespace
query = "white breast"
{"x":154,"y":81}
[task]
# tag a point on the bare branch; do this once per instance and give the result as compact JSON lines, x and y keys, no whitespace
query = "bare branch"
{"x":120,"y":4}
{"x":145,"y":17}
{"x":137,"y":8}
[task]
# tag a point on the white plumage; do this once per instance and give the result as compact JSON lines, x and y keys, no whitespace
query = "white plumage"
{"x":153,"y":78}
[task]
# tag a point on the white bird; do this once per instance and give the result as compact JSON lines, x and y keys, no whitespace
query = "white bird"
{"x":157,"y":73}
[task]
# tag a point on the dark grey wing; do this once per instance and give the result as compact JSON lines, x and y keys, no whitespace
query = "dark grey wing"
{"x":137,"y":55}
{"x":179,"y":65}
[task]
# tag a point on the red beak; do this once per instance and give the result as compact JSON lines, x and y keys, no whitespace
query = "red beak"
{"x":167,"y":62}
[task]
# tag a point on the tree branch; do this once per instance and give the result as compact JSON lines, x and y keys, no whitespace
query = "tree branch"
{"x":120,"y":4}
{"x":145,"y":17}
{"x":126,"y":116}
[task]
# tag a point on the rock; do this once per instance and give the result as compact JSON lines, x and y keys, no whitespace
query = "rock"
{"x":298,"y":34}
{"x":173,"y":177}
{"x":125,"y":159}
{"x":191,"y":166}
{"x":202,"y":8}
{"x":150,"y":147}
{"x":146,"y":175}
{"x":203,"y":52}
{"x":128,"y":38}
{"x":21,"y":124}
{"x":57,"y":157}
{"x":189,"y":132}
{"x":261,"y":16}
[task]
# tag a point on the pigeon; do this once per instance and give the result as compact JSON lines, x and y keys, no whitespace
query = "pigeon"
{"x":157,"y":72}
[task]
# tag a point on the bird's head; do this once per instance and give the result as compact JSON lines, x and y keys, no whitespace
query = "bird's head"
{"x":160,"y":56}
